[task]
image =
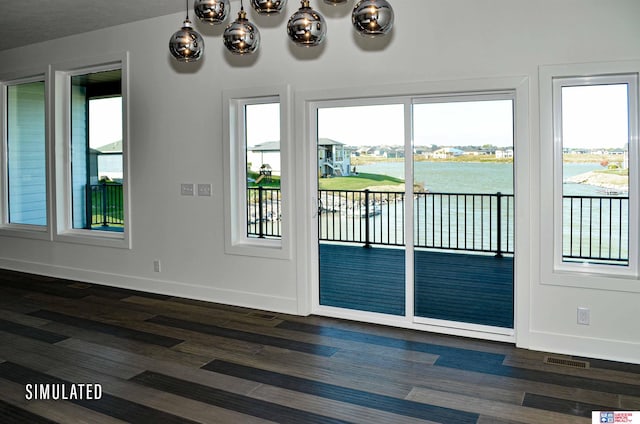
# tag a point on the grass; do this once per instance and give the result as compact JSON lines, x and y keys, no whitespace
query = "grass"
{"x":622,"y":172}
{"x":353,"y":182}
{"x":114,"y":206}
{"x":358,"y":182}
{"x":273,"y":183}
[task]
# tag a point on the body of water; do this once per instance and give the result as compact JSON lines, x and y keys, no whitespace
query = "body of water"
{"x":476,"y":177}
{"x":592,"y":228}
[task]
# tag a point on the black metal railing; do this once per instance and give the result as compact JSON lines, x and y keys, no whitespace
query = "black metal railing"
{"x":368,"y":217}
{"x":264,"y":213}
{"x":596,"y":228}
{"x":465,"y":221}
{"x":451,"y":221}
{"x":106,"y":204}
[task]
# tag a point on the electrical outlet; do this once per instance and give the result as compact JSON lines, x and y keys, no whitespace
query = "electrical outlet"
{"x":583,"y":316}
{"x":204,"y":189}
{"x":156,"y":265}
{"x":186,"y":189}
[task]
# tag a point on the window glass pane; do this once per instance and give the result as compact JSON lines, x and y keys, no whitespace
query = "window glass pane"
{"x":595,"y":168}
{"x":263,"y":170}
{"x":26,"y":166}
{"x":96,"y":151}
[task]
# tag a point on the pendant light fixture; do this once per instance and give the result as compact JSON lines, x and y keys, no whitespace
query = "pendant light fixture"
{"x":306,"y":27}
{"x":372,"y":17}
{"x":268,"y":7}
{"x":241,"y":36}
{"x":334,"y":2}
{"x":186,"y":44}
{"x":211,"y":11}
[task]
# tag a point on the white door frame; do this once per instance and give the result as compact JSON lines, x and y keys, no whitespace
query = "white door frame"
{"x":307,"y":103}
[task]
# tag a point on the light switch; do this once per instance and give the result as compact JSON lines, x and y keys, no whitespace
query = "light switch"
{"x":204,"y":189}
{"x":186,"y":189}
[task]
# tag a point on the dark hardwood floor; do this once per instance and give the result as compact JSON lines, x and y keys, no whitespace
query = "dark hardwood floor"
{"x":161,"y":359}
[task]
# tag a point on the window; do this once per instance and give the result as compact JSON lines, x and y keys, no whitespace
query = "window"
{"x":25,"y":179}
{"x":91,"y":142}
{"x":264,"y":170}
{"x":257,"y":160}
{"x":589,"y":126}
{"x":594,"y":136}
{"x":96,"y":151}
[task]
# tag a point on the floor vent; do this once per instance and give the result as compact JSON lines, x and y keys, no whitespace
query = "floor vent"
{"x":79,"y":286}
{"x":573,"y":363}
{"x":262,"y":315}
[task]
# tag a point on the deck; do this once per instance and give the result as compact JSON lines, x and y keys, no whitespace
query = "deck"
{"x":471,"y":288}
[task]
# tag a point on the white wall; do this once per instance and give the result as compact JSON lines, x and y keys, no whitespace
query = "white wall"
{"x":176,"y":136}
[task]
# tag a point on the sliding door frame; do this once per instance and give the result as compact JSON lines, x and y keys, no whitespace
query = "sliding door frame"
{"x":307,"y":103}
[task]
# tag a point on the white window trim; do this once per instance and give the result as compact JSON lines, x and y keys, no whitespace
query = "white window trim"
{"x":38,"y":232}
{"x":236,"y":240}
{"x":553,"y":270}
{"x":63,"y":230}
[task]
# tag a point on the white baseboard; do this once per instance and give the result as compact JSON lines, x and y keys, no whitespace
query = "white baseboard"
{"x":612,"y":350}
{"x":170,"y":288}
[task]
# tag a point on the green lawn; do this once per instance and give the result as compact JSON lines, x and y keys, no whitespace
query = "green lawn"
{"x":353,"y":182}
{"x":113,"y":208}
{"x":358,"y":182}
{"x":274,"y":182}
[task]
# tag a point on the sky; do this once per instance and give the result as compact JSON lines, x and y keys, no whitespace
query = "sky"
{"x":444,"y":124}
{"x":105,"y":125}
{"x":486,"y":122}
{"x":363,"y":125}
{"x":263,"y":123}
{"x":595,"y":116}
{"x":468,"y":123}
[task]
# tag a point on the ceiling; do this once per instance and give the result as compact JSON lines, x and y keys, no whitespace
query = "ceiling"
{"x":33,"y":21}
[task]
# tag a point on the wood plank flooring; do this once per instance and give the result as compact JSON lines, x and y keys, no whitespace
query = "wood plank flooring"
{"x":161,"y":359}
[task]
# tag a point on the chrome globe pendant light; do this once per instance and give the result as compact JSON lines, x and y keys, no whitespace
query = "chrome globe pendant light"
{"x":268,"y":7}
{"x":372,"y":17}
{"x":186,"y":44}
{"x":306,"y":27}
{"x":241,"y":36}
{"x":211,"y":11}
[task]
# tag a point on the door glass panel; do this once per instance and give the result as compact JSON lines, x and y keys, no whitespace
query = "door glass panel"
{"x":464,"y":210}
{"x":360,"y":166}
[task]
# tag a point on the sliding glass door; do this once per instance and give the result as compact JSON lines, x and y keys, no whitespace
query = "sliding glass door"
{"x":416,"y":209}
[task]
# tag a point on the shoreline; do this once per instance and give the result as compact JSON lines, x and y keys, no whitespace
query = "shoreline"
{"x":567,"y":158}
{"x":602,"y":180}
